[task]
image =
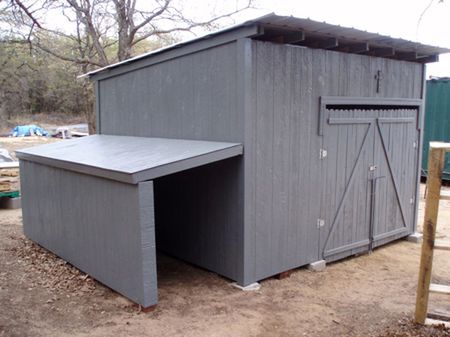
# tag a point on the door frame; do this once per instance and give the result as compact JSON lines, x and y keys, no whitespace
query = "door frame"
{"x":364,"y":102}
{"x":368,"y":101}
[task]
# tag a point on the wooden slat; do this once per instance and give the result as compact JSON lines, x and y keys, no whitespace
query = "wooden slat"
{"x":445,"y":195}
{"x":13,"y":172}
{"x":430,"y":321}
{"x":440,"y":288}
{"x":439,"y":315}
{"x":397,"y":120}
{"x":442,"y":244}
{"x":352,"y":121}
{"x":12,"y":164}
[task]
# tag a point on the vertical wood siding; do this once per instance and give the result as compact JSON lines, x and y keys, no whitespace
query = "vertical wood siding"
{"x":357,"y":140}
{"x":191,"y":97}
{"x":286,"y":186}
{"x":267,"y":96}
{"x":103,"y":227}
{"x":199,"y":213}
{"x":201,"y":228}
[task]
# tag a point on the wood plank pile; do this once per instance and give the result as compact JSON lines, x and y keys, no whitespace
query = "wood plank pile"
{"x":9,"y":180}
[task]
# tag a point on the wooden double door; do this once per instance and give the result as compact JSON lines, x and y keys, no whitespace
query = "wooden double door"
{"x":369,"y":172}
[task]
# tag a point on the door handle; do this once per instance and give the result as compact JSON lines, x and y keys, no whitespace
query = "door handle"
{"x":374,"y":184}
{"x":373,"y":194}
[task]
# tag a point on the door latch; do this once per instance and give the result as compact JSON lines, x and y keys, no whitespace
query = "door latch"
{"x":373,"y":167}
{"x":320,"y":223}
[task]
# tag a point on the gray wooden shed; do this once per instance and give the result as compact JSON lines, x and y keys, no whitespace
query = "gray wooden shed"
{"x":251,"y":151}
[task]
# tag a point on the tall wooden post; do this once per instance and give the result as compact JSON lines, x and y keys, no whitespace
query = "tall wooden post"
{"x":436,"y":159}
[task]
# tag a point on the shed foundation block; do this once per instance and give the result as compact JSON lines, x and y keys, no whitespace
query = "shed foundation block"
{"x":415,"y":237}
{"x":251,"y":287}
{"x":317,"y":266}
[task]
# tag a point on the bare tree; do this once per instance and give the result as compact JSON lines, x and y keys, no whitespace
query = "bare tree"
{"x":102,"y":26}
{"x":26,"y":11}
{"x":423,"y":14}
{"x":101,"y":32}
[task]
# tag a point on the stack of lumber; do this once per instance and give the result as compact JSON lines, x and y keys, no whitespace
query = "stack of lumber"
{"x":9,"y":177}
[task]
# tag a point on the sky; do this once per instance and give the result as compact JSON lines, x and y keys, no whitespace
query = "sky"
{"x":396,"y":18}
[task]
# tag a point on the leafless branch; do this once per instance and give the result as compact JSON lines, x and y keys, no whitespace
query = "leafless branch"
{"x":190,"y":25}
{"x":151,"y":17}
{"x":26,"y":10}
{"x":64,"y":57}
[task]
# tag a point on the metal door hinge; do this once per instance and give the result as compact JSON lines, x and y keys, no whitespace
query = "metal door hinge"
{"x":320,"y":223}
{"x":414,"y":144}
{"x":323,"y":153}
{"x":411,"y":201}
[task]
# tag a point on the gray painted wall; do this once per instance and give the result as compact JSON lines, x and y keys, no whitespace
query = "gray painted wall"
{"x":285,"y":179}
{"x":101,"y":226}
{"x":199,"y":212}
{"x":268,"y":97}
{"x":196,"y":220}
{"x":190,"y":97}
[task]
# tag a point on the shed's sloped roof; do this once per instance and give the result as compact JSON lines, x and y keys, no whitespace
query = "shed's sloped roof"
{"x":335,"y":37}
{"x":129,"y":159}
{"x":309,"y":33}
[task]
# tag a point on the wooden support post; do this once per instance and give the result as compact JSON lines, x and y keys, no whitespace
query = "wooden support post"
{"x":435,"y":167}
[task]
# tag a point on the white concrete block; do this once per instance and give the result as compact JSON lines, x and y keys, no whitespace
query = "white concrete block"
{"x":251,"y":287}
{"x":317,"y":266}
{"x":415,"y":237}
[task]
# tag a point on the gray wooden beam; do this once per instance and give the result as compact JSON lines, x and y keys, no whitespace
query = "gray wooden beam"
{"x":358,"y":48}
{"x":293,"y":37}
{"x":329,"y":43}
{"x":282,"y":35}
{"x":429,"y":59}
{"x":338,"y":100}
{"x":406,"y":55}
{"x":381,"y":51}
{"x":417,"y":57}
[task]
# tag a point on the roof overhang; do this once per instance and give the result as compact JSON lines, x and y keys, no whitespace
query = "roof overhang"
{"x":129,"y":159}
{"x":301,"y":32}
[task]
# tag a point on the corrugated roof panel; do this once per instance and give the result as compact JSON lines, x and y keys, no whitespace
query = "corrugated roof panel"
{"x":314,"y":30}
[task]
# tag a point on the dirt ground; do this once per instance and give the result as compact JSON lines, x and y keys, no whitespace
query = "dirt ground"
{"x":368,"y":295}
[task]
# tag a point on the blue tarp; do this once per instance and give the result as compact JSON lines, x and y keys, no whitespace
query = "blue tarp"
{"x":28,"y":130}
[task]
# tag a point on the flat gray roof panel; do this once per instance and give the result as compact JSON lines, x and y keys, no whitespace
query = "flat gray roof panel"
{"x":129,"y":159}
